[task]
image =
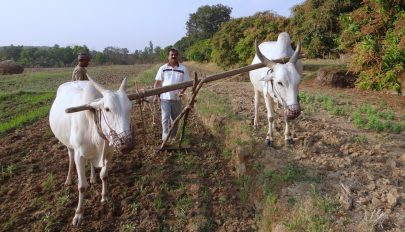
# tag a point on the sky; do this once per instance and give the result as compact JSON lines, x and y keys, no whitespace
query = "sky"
{"x":98,"y":24}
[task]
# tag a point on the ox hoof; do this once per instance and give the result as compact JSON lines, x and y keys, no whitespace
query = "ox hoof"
{"x":290,"y":141}
{"x":104,"y":199}
{"x":77,"y":220}
{"x":68,"y":182}
{"x":268,"y":142}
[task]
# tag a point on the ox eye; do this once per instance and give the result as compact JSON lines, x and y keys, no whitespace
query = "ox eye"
{"x":280,"y":83}
{"x":107,"y":109}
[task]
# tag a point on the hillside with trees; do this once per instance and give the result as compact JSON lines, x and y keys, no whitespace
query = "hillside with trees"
{"x":370,"y":32}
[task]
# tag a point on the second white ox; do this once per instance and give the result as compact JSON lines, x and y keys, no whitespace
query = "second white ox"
{"x":278,"y":82}
{"x":91,"y":134}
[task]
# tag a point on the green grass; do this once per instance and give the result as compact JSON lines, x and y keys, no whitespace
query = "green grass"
{"x":8,"y":171}
{"x":379,"y":118}
{"x":26,"y":98}
{"x":128,"y":227}
{"x":272,"y":179}
{"x":49,"y":182}
{"x":158,"y":203}
{"x":23,"y":108}
{"x":244,"y":184}
{"x":315,"y":213}
{"x":44,"y":81}
{"x":13,"y":105}
{"x":212,"y":104}
{"x":147,"y":77}
{"x":183,"y":206}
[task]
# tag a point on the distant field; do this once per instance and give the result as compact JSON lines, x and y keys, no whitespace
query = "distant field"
{"x":27,"y":97}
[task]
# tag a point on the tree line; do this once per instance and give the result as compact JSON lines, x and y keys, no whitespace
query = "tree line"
{"x":57,"y":56}
{"x":370,"y":32}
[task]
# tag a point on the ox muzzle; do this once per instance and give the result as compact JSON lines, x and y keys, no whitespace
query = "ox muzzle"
{"x":291,"y":112}
{"x":123,"y":141}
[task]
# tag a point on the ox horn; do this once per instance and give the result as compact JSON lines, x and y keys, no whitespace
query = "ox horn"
{"x":296,"y":54}
{"x":262,"y":58}
{"x":96,"y":85}
{"x":123,"y":86}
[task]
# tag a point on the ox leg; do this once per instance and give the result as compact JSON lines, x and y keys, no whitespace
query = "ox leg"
{"x":103,"y":177}
{"x":82,"y":186}
{"x":71,"y":162}
{"x":92,"y":174}
{"x":256,"y":99}
{"x":287,"y":133}
{"x":103,"y":174}
{"x":270,"y":119}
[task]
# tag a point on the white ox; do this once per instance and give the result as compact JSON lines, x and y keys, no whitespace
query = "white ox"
{"x":83,"y":137}
{"x":278,"y":82}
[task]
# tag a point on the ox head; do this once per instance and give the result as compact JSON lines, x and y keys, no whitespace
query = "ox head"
{"x":284,"y":79}
{"x":114,"y":110}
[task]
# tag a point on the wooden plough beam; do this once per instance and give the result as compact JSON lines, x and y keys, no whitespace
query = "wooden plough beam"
{"x":197,"y":84}
{"x":168,"y":88}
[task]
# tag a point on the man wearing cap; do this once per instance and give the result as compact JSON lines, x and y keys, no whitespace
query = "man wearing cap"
{"x":79,"y":73}
{"x":170,"y":103}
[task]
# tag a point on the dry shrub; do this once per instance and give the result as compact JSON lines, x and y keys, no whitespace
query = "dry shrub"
{"x":336,"y":77}
{"x":10,"y":67}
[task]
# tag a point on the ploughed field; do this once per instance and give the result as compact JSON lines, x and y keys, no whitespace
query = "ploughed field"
{"x":228,"y":180}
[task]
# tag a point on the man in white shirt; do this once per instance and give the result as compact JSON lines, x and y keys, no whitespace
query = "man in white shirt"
{"x":171,"y":73}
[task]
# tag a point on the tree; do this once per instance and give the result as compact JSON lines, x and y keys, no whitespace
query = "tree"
{"x":12,"y":52}
{"x":233,"y":44}
{"x":206,"y":21}
{"x":316,"y":24}
{"x":99,"y":58}
{"x":200,"y":51}
{"x":27,"y":57}
{"x":116,"y":55}
{"x":182,"y":45}
{"x":203,"y":24}
{"x":375,"y":35}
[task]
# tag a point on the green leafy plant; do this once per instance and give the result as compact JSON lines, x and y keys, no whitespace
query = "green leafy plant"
{"x":49,"y":182}
{"x":128,"y":227}
{"x":158,"y":203}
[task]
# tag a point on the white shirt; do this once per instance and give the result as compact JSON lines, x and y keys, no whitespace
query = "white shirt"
{"x":169,"y":75}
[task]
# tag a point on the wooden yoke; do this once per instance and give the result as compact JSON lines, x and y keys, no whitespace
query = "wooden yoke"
{"x":168,"y":88}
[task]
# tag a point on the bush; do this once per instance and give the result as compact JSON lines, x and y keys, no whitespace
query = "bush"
{"x":375,"y":33}
{"x":200,"y":51}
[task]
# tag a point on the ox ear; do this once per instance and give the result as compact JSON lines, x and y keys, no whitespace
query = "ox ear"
{"x":123,"y":86}
{"x":266,"y":78}
{"x":96,"y":85}
{"x":262,"y":58}
{"x":296,"y":54}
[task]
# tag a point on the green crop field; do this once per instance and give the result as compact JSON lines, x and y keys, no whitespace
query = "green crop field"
{"x":27,"y":97}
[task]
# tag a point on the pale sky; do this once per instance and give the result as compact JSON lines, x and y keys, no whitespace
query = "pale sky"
{"x":119,"y":23}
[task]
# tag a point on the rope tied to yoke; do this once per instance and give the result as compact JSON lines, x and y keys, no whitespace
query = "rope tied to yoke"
{"x":140,"y":102}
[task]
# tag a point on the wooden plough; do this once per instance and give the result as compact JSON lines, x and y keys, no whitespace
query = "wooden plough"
{"x":196,"y":86}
